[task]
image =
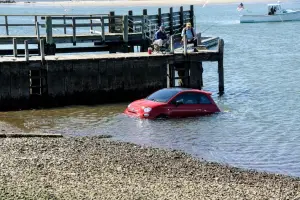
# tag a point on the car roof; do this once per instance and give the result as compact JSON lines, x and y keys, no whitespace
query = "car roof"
{"x":179,"y":89}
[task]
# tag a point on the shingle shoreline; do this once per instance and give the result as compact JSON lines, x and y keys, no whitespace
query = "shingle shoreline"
{"x":97,"y":168}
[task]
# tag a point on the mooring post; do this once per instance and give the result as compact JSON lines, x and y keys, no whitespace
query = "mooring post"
{"x":192,"y":15}
{"x":42,"y":49}
{"x":220,"y":66}
{"x":171,"y":21}
{"x":26,"y":50}
{"x":49,"y":46}
{"x":6,"y":25}
{"x":159,"y":20}
{"x":15,"y":51}
{"x":74,"y":31}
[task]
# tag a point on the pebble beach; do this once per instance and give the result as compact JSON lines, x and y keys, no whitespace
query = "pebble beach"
{"x":100,"y":168}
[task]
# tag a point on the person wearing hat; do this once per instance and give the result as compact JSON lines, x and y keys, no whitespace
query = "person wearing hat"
{"x":190,"y":34}
{"x":161,"y":37}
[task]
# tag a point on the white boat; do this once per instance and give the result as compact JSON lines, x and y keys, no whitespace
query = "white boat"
{"x":275,"y":14}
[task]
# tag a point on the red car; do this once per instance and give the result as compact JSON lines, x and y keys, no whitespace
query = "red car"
{"x":173,"y":103}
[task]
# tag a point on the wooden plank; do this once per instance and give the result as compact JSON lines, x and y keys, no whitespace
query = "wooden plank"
{"x":7,"y":25}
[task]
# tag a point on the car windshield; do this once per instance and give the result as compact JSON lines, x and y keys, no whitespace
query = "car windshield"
{"x":162,"y":95}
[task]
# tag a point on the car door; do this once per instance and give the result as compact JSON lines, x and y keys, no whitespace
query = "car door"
{"x":204,"y":105}
{"x":188,"y":108}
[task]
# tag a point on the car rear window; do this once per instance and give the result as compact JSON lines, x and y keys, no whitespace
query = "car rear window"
{"x":162,"y":95}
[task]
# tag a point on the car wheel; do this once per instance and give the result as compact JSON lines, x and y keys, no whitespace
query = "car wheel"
{"x":162,"y":116}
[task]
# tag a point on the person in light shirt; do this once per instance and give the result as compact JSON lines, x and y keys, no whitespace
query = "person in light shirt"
{"x":190,"y":33}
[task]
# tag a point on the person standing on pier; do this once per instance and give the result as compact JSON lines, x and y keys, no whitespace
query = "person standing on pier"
{"x":190,"y":34}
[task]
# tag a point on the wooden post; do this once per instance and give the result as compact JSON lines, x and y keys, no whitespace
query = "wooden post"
{"x":145,"y":33}
{"x":192,"y":15}
{"x":42,"y":50}
{"x":220,"y":66}
{"x":201,"y":76}
{"x":91,"y":22}
{"x":198,"y":39}
{"x":26,"y":50}
{"x":130,"y":21}
{"x":111,"y":22}
{"x":172,"y":44}
{"x":35,"y":21}
{"x":65,"y":28}
{"x":125,"y":28}
{"x":186,"y":79}
{"x":181,"y":17}
{"x":184,"y":45}
{"x":38,"y":36}
{"x":102,"y":29}
{"x":143,"y":27}
{"x":171,"y":21}
{"x":145,"y":12}
{"x":159,"y":20}
{"x":15,"y":51}
{"x":170,"y":75}
{"x":6,"y":25}
{"x":74,"y":31}
{"x":49,"y":39}
{"x":37,"y":28}
{"x":196,"y":71}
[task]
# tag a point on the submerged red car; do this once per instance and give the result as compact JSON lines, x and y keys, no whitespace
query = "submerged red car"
{"x":173,"y":103}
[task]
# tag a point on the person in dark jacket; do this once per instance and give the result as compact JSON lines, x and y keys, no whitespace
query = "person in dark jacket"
{"x":161,"y":37}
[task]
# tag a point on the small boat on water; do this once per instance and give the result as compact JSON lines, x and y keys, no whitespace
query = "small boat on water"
{"x":275,"y":14}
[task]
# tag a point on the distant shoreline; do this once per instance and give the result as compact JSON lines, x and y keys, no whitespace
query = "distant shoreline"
{"x":142,"y":2}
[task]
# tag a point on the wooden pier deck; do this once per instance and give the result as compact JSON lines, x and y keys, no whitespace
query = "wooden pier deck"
{"x":107,"y":32}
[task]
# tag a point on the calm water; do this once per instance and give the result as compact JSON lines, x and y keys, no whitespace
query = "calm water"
{"x":258,"y":128}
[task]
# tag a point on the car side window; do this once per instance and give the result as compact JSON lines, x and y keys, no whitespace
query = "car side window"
{"x":203,"y":99}
{"x":187,"y":98}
